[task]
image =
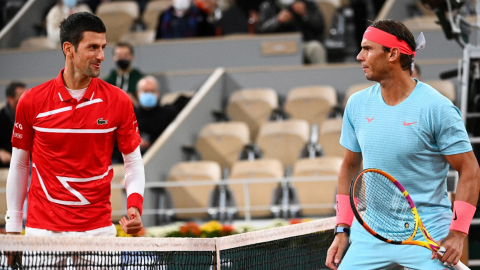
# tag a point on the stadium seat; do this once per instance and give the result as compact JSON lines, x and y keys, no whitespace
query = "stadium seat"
{"x":152,"y":12}
{"x":353,"y":89}
{"x":446,"y":88}
{"x":170,"y":98}
{"x":317,"y":197}
{"x":3,"y":197}
{"x":283,"y":140}
{"x":329,"y":138}
{"x":139,"y":38}
{"x":260,"y":194}
{"x":223,"y":142}
{"x":38,"y":43}
{"x":118,"y":17}
{"x":252,"y":106}
{"x":312,"y":103}
{"x":193,"y":196}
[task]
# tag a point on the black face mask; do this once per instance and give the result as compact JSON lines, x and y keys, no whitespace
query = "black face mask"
{"x":123,"y":64}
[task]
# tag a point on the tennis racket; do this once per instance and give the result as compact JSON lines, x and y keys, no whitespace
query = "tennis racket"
{"x":384,"y":208}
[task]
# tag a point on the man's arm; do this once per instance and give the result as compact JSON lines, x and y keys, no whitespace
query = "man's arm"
{"x":134,"y":186}
{"x":349,"y":168}
{"x":467,"y":192}
{"x":17,"y":184}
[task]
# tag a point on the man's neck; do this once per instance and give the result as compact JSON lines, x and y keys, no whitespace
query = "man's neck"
{"x":397,"y":87}
{"x":74,"y":80}
{"x":121,"y":72}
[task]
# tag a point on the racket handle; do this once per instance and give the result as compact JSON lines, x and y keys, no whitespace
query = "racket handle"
{"x":459,"y":265}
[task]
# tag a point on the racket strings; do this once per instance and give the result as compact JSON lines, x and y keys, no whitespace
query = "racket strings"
{"x":383,"y":207}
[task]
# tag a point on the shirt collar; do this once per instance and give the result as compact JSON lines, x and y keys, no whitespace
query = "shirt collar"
{"x":63,"y":93}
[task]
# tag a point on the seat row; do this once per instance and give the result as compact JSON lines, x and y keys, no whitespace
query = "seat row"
{"x":223,"y":142}
{"x":254,"y":187}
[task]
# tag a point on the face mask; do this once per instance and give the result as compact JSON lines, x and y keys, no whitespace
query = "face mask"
{"x":123,"y":64}
{"x":181,"y":4}
{"x":148,"y":100}
{"x":70,"y":3}
{"x":287,"y":2}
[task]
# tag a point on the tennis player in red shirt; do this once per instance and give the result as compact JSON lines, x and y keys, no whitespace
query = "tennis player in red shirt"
{"x":68,"y":127}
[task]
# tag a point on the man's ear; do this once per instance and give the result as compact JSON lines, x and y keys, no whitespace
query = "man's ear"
{"x":68,"y":48}
{"x":394,"y":54}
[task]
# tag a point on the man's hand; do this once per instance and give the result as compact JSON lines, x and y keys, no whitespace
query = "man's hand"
{"x":5,"y":156}
{"x":336,"y":251}
{"x":284,"y":16}
{"x":299,"y":8}
{"x":453,"y":243}
{"x":134,"y":222}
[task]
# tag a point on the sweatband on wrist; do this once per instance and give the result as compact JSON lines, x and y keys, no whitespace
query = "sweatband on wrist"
{"x":462,"y":216}
{"x":344,"y":211}
{"x":135,"y":200}
{"x":14,"y":221}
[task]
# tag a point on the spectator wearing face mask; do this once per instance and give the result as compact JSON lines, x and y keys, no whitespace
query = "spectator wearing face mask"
{"x":183,"y":20}
{"x":280,"y":16}
{"x":152,"y":119}
{"x":60,"y":11}
{"x":124,"y":76}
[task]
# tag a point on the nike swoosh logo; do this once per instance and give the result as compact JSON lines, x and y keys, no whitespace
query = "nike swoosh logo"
{"x":455,"y":218}
{"x":408,"y":124}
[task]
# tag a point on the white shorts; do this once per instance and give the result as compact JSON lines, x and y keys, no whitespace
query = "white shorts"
{"x":109,"y":231}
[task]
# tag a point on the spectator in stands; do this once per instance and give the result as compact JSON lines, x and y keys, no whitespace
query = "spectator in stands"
{"x":230,"y":19}
{"x":416,"y":72}
{"x":60,"y":11}
{"x":124,"y":76}
{"x":277,"y":16}
{"x":152,"y":118}
{"x":183,"y":20}
{"x":7,"y":119}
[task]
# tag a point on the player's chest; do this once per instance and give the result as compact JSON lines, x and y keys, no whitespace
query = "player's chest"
{"x":389,"y":129}
{"x":94,"y":114}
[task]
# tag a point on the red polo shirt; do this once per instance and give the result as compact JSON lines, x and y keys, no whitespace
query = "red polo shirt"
{"x":71,"y":143}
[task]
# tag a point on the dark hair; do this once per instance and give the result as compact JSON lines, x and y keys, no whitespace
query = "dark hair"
{"x":123,"y":44}
{"x":72,"y":28}
{"x":399,"y":30}
{"x":12,"y":87}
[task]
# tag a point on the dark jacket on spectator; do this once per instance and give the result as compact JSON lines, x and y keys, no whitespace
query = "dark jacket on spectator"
{"x":193,"y":24}
{"x":7,"y":120}
{"x":152,"y":122}
{"x":311,"y":25}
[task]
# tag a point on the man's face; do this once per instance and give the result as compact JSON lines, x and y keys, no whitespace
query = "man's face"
{"x":148,"y":86}
{"x":122,"y":53}
{"x":13,"y":101}
{"x":89,"y":55}
{"x":373,"y":59}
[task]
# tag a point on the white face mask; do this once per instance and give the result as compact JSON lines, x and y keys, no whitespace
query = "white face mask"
{"x":286,"y":2}
{"x":181,"y":4}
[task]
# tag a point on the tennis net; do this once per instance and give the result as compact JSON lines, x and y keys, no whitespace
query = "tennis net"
{"x":300,"y":246}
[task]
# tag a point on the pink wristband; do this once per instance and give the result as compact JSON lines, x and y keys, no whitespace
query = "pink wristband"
{"x":462,"y":216}
{"x":344,"y":211}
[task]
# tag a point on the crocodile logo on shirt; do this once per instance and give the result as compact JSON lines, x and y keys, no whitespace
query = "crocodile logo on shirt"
{"x":100,"y":121}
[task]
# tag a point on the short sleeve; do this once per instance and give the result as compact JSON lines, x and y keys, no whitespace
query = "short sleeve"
{"x":450,"y":133}
{"x":348,"y":138}
{"x":127,"y":135}
{"x":22,"y":135}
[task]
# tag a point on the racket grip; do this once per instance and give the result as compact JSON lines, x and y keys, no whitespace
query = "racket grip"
{"x":459,"y":265}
